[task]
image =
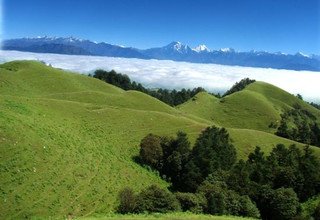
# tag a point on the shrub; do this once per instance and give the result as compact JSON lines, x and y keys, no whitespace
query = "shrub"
{"x":223,"y":201}
{"x":155,"y":199}
{"x":128,"y":201}
{"x":248,"y":208}
{"x":195,"y":203}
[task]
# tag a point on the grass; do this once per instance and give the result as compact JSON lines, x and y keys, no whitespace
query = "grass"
{"x":67,"y":140}
{"x":255,"y":107}
{"x":169,"y":216}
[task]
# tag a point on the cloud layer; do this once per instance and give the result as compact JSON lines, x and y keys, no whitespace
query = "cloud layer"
{"x":171,"y":74}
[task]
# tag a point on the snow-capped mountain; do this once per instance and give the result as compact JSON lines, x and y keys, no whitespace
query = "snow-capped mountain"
{"x":174,"y":51}
{"x":85,"y":47}
{"x":201,"y":48}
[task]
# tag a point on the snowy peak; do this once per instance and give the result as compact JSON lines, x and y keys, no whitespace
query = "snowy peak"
{"x":227,"y":50}
{"x":300,"y":54}
{"x":201,"y":48}
{"x":173,"y":51}
{"x":178,"y":47}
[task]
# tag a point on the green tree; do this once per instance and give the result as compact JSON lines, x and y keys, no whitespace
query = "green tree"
{"x":212,"y":151}
{"x":283,"y":130}
{"x":309,"y":168}
{"x":284,"y":204}
{"x":192,"y":202}
{"x":238,"y":86}
{"x":176,"y":157}
{"x":151,"y":152}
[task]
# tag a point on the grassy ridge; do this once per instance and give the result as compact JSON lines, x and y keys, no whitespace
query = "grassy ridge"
{"x":67,"y":140}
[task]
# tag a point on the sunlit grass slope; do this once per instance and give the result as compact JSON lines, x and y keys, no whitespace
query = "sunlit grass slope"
{"x":67,"y":140}
{"x":255,"y":107}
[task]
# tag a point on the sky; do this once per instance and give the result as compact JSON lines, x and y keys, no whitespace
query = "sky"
{"x":288,"y":26}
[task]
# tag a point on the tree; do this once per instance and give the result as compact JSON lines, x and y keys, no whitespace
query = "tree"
{"x":304,"y":133}
{"x":257,"y":166}
{"x":151,"y":151}
{"x":284,"y":204}
{"x":309,"y":168}
{"x":239,"y":178}
{"x":283,"y":130}
{"x":221,"y":200}
{"x":212,"y":151}
{"x":315,"y":134}
{"x":155,"y":199}
{"x":299,"y":96}
{"x":238,"y":86}
{"x":192,"y":202}
{"x":176,"y":157}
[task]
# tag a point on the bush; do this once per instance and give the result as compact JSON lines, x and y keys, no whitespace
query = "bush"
{"x":222,"y":201}
{"x":195,"y":203}
{"x":248,"y":208}
{"x":284,"y":204}
{"x":155,"y":199}
{"x":128,"y":201}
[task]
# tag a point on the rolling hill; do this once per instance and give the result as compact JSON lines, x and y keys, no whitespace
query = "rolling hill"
{"x":67,"y":141}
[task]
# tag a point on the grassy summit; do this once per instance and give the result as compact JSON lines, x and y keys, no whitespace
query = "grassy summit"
{"x":67,"y":140}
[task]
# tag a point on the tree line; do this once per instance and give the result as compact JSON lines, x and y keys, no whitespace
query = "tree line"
{"x":208,"y":178}
{"x":238,"y":86}
{"x":170,"y":97}
{"x":300,"y":125}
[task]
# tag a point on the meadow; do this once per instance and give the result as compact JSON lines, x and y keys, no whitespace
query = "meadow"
{"x":67,"y":141}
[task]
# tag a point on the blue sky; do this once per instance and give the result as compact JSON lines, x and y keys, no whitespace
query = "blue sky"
{"x":284,"y":25}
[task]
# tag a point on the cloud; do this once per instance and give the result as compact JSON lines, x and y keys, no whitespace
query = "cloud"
{"x":171,"y":74}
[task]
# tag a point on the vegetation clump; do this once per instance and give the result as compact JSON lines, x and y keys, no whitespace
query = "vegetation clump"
{"x":151,"y":199}
{"x":208,"y":179}
{"x":239,"y":86}
{"x":170,"y":97}
{"x":300,"y":125}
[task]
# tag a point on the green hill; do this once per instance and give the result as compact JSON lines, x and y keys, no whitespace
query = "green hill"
{"x":67,"y":140}
{"x":255,"y":107}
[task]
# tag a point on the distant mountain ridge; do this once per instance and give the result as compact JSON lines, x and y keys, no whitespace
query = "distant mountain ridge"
{"x":174,"y":51}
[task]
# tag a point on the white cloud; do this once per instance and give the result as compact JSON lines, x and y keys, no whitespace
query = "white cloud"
{"x":171,"y":74}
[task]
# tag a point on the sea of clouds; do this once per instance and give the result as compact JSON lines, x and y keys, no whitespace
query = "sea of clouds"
{"x":171,"y":74}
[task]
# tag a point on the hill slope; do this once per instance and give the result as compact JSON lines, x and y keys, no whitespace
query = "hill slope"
{"x":255,"y":107}
{"x":67,"y":140}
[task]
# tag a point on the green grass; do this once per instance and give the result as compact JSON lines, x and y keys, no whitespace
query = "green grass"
{"x":255,"y":107}
{"x":67,"y":140}
{"x":169,"y":216}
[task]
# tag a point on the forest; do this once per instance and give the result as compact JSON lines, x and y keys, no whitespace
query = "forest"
{"x":208,"y":178}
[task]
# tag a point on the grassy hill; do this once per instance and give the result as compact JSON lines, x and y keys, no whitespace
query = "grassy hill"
{"x":67,"y":140}
{"x":255,"y":107}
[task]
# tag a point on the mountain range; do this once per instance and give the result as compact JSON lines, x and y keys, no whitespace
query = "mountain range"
{"x":174,"y":51}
